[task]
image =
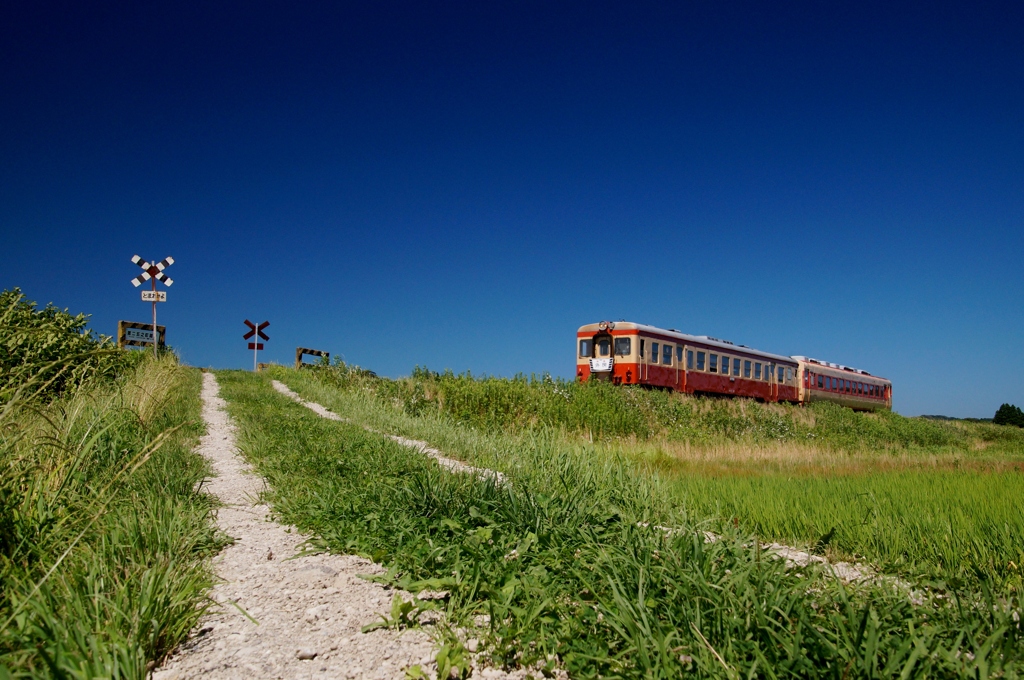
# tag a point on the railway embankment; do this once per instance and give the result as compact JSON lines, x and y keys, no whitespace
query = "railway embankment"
{"x":558,"y":562}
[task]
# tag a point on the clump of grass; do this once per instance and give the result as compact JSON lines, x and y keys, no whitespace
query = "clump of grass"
{"x":565,"y":571}
{"x":103,"y":533}
{"x":602,"y":411}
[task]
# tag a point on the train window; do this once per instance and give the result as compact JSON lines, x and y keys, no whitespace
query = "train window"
{"x":586,"y":348}
{"x":689,"y":358}
{"x":767,"y":372}
{"x":666,"y":355}
{"x":821,"y":382}
{"x":746,"y":369}
{"x":789,"y":374}
{"x":642,"y":348}
{"x":736,"y":367}
{"x":725,"y":365}
{"x":604,"y":347}
{"x":654,"y":352}
{"x":835,"y":384}
{"x":623,"y":346}
{"x":757,"y":371}
{"x":713,"y":363}
{"x":679,"y":354}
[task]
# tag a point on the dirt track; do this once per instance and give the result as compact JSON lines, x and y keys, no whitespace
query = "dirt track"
{"x":311,"y":606}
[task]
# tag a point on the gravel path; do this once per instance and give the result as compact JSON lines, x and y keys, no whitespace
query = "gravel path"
{"x":309,"y":609}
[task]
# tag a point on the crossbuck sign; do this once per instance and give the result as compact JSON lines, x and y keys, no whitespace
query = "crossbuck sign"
{"x":256,"y":346}
{"x":154,"y":273}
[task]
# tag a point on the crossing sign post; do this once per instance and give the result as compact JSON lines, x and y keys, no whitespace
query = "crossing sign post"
{"x":154,"y":273}
{"x":256,"y":346}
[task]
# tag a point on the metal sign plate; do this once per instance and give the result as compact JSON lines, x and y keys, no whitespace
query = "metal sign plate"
{"x":154,"y":295}
{"x":133,"y":333}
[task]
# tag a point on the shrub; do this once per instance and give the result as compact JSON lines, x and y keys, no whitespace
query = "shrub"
{"x":49,"y":350}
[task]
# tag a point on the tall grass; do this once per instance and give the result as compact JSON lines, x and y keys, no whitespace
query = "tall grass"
{"x":564,"y":573}
{"x":601,"y":410}
{"x":103,"y":532}
{"x":935,"y":511}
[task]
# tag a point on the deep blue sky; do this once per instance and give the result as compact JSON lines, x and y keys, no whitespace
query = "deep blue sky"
{"x":463,"y":185}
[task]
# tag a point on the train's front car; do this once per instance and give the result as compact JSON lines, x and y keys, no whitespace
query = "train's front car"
{"x":605,"y":351}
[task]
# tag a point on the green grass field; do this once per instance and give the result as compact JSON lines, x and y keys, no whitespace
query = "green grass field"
{"x":929,"y":499}
{"x":105,"y":536}
{"x":562,"y":567}
{"x":104,"y":539}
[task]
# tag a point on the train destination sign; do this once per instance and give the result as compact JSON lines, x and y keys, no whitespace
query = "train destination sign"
{"x":154,"y":296}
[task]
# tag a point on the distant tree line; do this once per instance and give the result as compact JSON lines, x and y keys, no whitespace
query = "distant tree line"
{"x":1009,"y":414}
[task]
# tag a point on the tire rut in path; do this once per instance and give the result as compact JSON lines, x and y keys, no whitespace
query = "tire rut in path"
{"x":423,"y":447}
{"x":308,"y":606}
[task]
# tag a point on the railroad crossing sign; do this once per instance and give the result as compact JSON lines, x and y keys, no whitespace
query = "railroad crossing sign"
{"x":154,"y":273}
{"x":256,"y":346}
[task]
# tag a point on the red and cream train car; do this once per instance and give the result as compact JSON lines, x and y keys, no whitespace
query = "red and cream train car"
{"x":628,"y":353}
{"x":824,"y":381}
{"x":634,"y":354}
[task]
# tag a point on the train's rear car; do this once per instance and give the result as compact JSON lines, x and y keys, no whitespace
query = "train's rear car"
{"x":852,"y":387}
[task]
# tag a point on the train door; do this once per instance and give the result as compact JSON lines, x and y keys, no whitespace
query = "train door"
{"x":641,"y":368}
{"x":602,"y":362}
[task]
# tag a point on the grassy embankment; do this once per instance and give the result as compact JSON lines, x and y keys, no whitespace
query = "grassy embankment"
{"x":926,"y":499}
{"x":560,"y":565}
{"x":102,"y":533}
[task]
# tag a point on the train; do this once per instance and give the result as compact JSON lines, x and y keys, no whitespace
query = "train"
{"x":627,"y":353}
